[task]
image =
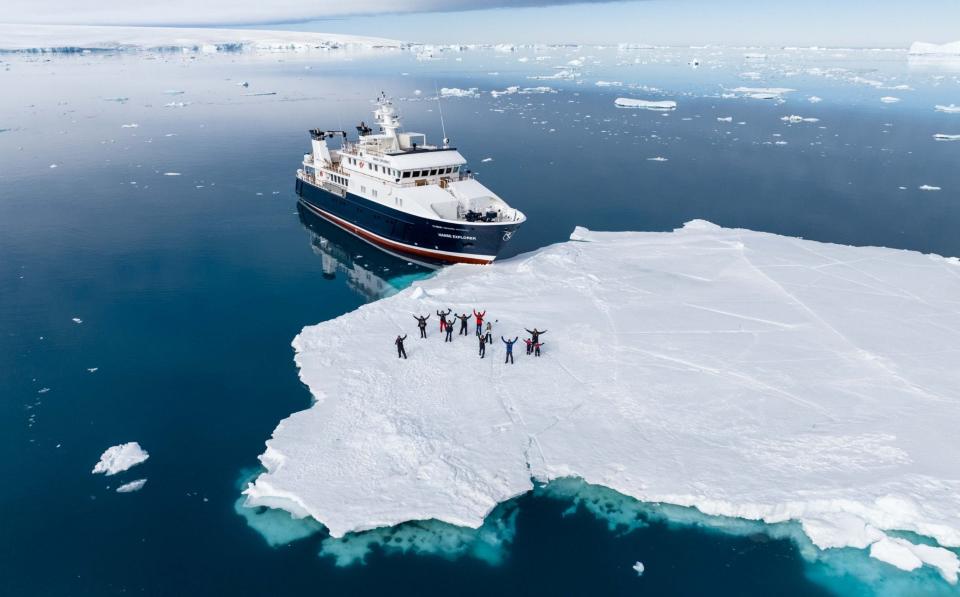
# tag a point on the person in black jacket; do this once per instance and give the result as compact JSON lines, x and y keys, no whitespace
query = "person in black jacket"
{"x":422,"y":324}
{"x":449,"y":331}
{"x":443,"y":318}
{"x":399,"y":342}
{"x":463,"y":324}
{"x":483,"y":345}
{"x":535,"y":334}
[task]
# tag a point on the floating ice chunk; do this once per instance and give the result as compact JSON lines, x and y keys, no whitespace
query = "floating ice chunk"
{"x":889,"y":99}
{"x":926,"y":187}
{"x":627,"y":102}
{"x":638,"y":568}
{"x":132,"y":486}
{"x":794,"y":119}
{"x":945,"y":137}
{"x":76,"y":320}
{"x":53,"y":165}
{"x":508,"y":91}
{"x":457,"y":92}
{"x":724,"y":118}
{"x":243,"y":84}
{"x":176,"y":104}
{"x":92,"y":369}
{"x":485,"y":160}
{"x":813,"y":99}
{"x":119,"y":458}
{"x":609,"y":84}
{"x":132,"y":125}
{"x":171,"y":174}
{"x":43,"y":390}
{"x":951,"y":109}
{"x":657,"y":159}
{"x":755,"y":56}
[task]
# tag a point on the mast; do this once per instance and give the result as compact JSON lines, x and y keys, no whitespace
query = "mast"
{"x":388,"y":118}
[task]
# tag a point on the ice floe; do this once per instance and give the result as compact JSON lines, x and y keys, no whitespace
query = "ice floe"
{"x":660,"y":106}
{"x":767,"y":93}
{"x":927,"y":187}
{"x":457,"y":92}
{"x":119,"y":458}
{"x":132,"y":486}
{"x":794,"y":119}
{"x":951,"y":109}
{"x":745,"y":374}
{"x":889,"y":99}
{"x":638,"y":568}
{"x":945,"y":137}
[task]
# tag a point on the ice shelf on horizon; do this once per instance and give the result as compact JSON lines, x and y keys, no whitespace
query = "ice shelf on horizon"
{"x":745,"y":374}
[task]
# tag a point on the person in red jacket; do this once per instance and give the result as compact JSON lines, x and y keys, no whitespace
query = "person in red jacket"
{"x":529,"y":344}
{"x":479,"y":317}
{"x":536,"y":348}
{"x":443,"y":318}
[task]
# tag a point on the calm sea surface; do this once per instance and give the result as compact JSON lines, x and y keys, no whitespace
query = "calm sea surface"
{"x":150,"y":196}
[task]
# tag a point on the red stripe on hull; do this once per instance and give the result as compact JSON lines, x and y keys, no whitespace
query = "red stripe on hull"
{"x":376,"y":240}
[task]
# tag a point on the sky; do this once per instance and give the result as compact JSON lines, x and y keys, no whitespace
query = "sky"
{"x":848,"y":23}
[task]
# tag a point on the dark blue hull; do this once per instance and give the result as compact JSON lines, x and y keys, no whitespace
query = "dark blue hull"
{"x":401,"y":232}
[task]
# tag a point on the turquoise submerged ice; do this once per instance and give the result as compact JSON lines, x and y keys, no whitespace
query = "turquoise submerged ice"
{"x":745,"y":374}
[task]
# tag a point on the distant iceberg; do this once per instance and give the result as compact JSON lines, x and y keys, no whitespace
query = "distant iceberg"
{"x":745,"y":374}
{"x":921,"y":48}
{"x":71,"y":38}
{"x":662,"y":106}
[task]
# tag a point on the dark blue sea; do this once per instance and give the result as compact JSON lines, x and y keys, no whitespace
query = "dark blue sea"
{"x":154,"y":268}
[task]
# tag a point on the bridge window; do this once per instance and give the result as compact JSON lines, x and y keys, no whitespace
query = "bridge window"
{"x":406,"y":174}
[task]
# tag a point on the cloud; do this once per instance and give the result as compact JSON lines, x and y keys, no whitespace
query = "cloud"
{"x":232,"y":12}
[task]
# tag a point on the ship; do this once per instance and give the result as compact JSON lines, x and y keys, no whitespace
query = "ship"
{"x":394,"y":191}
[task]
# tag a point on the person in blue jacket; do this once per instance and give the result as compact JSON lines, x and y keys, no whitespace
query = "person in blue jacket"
{"x":509,"y":344}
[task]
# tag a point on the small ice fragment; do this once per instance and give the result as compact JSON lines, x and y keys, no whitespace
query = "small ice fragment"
{"x":76,"y":320}
{"x":951,"y":109}
{"x":639,"y":568}
{"x":132,"y":125}
{"x":889,"y":99}
{"x":794,"y":119}
{"x":243,"y":84}
{"x":926,"y":187}
{"x":132,"y":486}
{"x":53,"y":165}
{"x":457,"y":92}
{"x":92,"y":369}
{"x":171,"y":174}
{"x":43,"y":390}
{"x":944,"y":137}
{"x":119,"y":458}
{"x":657,"y":159}
{"x":725,"y":119}
{"x":484,"y":160}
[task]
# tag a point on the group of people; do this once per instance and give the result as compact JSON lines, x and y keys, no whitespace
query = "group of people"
{"x":484,"y":334}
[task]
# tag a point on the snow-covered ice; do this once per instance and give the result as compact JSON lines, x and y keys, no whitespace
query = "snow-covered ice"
{"x":746,"y":374}
{"x":638,"y":568}
{"x":628,"y":102}
{"x":946,"y":137}
{"x":927,"y":187}
{"x":951,"y":109}
{"x":887,"y":99}
{"x":119,"y":458}
{"x":132,"y":486}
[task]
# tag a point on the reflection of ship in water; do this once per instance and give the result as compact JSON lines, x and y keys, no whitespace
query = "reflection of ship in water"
{"x":369,"y":271}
